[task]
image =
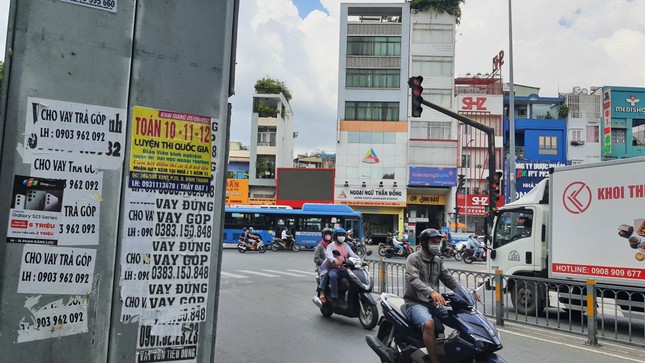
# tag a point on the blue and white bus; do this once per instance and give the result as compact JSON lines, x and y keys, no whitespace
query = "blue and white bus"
{"x":304,"y":224}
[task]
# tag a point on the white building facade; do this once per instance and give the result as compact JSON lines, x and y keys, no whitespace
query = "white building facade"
{"x":400,"y":172}
{"x":272,"y":145}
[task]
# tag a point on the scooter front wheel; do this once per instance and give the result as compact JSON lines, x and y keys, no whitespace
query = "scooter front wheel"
{"x":369,"y":316}
{"x":262,"y":248}
{"x":241,"y":248}
{"x":326,"y":310}
{"x":360,"y":251}
{"x":382,"y":251}
{"x":458,"y":256}
{"x":274,"y":246}
{"x":295,"y":247}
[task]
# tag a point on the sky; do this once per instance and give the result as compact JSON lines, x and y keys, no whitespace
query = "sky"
{"x":556,"y":45}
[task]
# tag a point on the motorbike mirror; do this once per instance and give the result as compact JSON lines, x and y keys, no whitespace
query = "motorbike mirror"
{"x":369,"y":252}
{"x":335,"y":253}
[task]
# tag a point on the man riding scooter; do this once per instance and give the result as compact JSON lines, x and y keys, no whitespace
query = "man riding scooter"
{"x":474,"y":245}
{"x":287,"y":238}
{"x":423,"y":271}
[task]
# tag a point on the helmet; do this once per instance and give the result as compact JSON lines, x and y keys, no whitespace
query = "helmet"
{"x":338,"y":231}
{"x":427,"y":234}
{"x":327,"y":231}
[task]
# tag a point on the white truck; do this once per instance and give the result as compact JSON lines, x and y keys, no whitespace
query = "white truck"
{"x":584,"y":222}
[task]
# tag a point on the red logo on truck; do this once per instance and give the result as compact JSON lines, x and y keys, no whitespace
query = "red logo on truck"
{"x":576,"y":197}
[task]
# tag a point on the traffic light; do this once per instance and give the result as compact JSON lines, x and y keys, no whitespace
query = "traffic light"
{"x":417,"y":89}
{"x":461,"y":180}
{"x":494,"y":187}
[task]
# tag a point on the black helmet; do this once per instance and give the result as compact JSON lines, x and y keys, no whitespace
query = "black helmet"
{"x":327,"y":231}
{"x":427,"y":234}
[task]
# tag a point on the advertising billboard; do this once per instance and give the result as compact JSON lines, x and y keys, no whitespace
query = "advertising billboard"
{"x":237,"y":191}
{"x":296,"y":186}
{"x":433,"y":177}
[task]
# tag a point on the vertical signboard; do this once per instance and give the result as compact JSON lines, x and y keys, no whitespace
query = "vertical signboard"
{"x":606,"y":133}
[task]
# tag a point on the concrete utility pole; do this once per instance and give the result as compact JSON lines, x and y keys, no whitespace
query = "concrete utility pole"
{"x":115,"y":123}
{"x":511,"y":108}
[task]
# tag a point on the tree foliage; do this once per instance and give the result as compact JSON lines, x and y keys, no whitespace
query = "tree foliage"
{"x":441,"y":6}
{"x":268,"y":85}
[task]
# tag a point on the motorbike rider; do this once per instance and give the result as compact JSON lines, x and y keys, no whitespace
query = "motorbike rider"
{"x":423,"y":271}
{"x":286,"y":238}
{"x":253,"y":237}
{"x":397,"y":244}
{"x":336,"y":266}
{"x":473,"y":244}
{"x":446,"y":245}
{"x":322,"y":263}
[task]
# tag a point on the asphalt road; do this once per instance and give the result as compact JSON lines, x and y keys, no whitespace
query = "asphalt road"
{"x":266,"y":314}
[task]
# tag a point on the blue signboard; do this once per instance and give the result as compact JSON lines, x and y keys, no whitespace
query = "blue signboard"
{"x":433,"y":177}
{"x":528,"y":173}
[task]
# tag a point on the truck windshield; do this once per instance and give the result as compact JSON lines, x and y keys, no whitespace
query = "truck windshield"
{"x":512,"y":225}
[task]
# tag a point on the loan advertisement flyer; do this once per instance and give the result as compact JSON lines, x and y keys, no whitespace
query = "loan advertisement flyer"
{"x":167,"y":232}
{"x":55,"y":211}
{"x":170,"y":151}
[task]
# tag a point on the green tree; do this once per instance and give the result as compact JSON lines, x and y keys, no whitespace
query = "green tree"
{"x":442,"y":6}
{"x":268,"y":85}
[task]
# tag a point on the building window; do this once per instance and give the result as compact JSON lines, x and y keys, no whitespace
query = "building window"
{"x":432,"y":66}
{"x":430,"y":130}
{"x":548,"y":145}
{"x":465,"y":161}
{"x":593,"y":133}
{"x":368,"y":137}
{"x":441,"y":97}
{"x":266,"y":136}
{"x":372,"y":111}
{"x":373,"y":78}
{"x":375,"y":46}
{"x":576,"y":135}
{"x":618,"y":136}
{"x":432,"y":33}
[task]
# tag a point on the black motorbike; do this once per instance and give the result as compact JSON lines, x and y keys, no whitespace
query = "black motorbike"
{"x":251,"y":244}
{"x":474,"y":338}
{"x":358,"y":247}
{"x":288,"y":244}
{"x":469,"y":256}
{"x":388,"y":250}
{"x":355,"y":297}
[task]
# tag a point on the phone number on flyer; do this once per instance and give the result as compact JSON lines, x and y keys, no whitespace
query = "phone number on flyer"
{"x":603,"y":271}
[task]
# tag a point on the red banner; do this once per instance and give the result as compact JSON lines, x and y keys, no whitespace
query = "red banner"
{"x":603,"y":271}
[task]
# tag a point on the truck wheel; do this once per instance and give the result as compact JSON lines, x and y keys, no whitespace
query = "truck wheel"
{"x":527,"y":298}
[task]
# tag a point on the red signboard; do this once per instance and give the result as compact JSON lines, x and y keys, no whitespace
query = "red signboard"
{"x":476,"y":204}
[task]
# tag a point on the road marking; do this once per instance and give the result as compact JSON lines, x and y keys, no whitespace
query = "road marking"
{"x":283,"y":273}
{"x":257,"y":273}
{"x":303,"y":272}
{"x":569,"y":345}
{"x":228,"y":274}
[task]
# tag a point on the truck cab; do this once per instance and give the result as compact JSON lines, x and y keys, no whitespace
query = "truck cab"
{"x":519,"y":245}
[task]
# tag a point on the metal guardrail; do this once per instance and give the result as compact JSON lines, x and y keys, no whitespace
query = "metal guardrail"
{"x":616,"y":315}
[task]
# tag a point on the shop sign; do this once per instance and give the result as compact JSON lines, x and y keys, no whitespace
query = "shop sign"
{"x":237,"y":191}
{"x":387,"y":197}
{"x":427,"y":199}
{"x":433,"y":177}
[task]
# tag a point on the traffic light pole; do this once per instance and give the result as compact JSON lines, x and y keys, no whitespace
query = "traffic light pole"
{"x":490,"y":132}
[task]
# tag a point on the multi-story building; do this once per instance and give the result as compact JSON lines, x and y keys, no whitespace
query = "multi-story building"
{"x":584,"y":118}
{"x":399,"y":172}
{"x":272,"y":143}
{"x":623,"y":122}
{"x":480,"y":98}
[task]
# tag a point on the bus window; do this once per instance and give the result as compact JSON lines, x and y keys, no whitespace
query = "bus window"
{"x":311,"y":224}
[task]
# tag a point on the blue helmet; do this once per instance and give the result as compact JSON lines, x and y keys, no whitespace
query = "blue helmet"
{"x":338,"y":231}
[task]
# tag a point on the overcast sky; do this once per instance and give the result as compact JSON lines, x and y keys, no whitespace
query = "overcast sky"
{"x":557,"y":45}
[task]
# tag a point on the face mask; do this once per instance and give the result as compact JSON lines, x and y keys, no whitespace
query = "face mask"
{"x":340,"y":239}
{"x":433,"y":250}
{"x":327,"y":237}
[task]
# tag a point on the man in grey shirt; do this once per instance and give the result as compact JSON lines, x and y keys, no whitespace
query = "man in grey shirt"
{"x":423,"y":271}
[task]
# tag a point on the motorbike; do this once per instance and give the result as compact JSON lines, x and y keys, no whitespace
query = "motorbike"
{"x":469,"y":257}
{"x":358,"y":301}
{"x":473,"y":338}
{"x":251,"y":244}
{"x":388,"y":250}
{"x":289,"y":244}
{"x":449,"y":251}
{"x":358,"y":247}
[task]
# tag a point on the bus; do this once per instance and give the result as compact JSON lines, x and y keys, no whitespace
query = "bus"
{"x":305,"y":224}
